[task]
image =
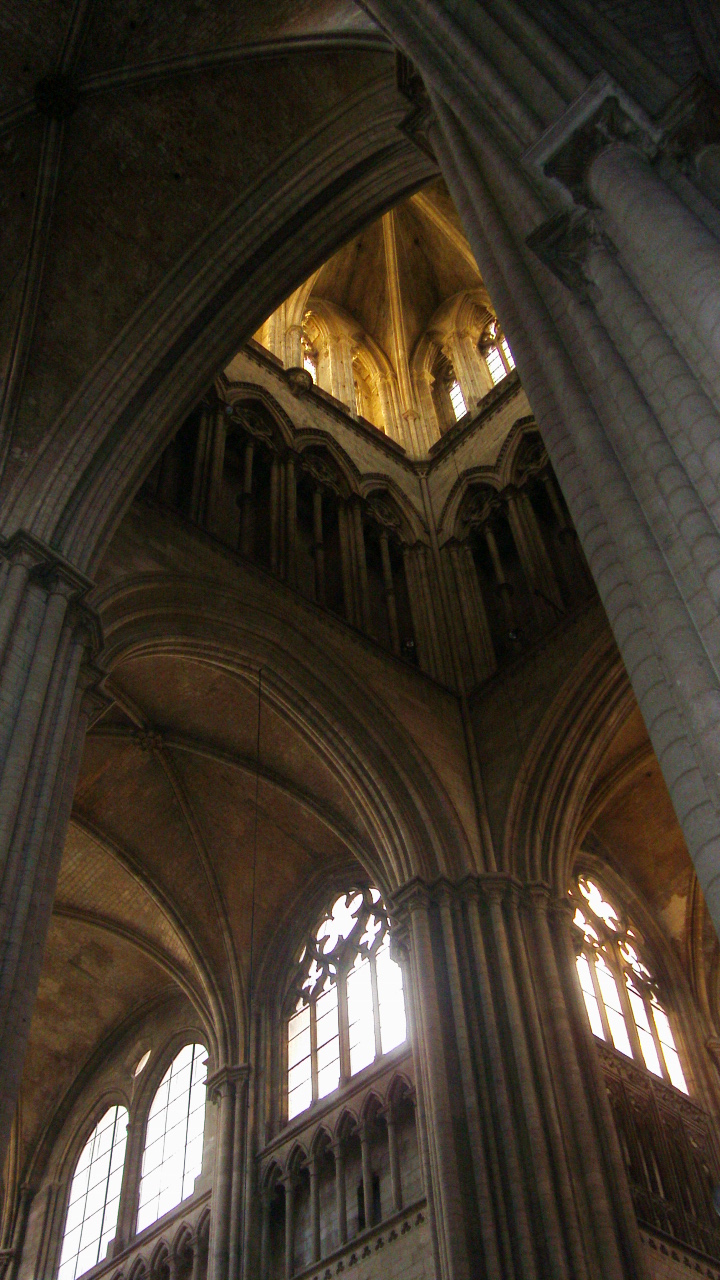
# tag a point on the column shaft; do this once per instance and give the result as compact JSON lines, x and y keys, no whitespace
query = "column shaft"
{"x":389,"y":591}
{"x":340,"y":1192}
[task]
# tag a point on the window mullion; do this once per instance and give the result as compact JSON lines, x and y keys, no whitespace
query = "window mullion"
{"x":343,"y":1026}
{"x":590,"y":956}
{"x":658,"y":1045}
{"x":313,"y":1050}
{"x":621,"y":984}
{"x":376,"y":1006}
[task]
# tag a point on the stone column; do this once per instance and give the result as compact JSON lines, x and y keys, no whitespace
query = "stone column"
{"x":227,"y":1089}
{"x":265,"y":1200}
{"x":221,"y":1091}
{"x":423,"y":383}
{"x":346,"y":564}
{"x":215,"y":469}
{"x":387,"y":406}
{"x":48,"y":638}
{"x":470,"y":369}
{"x":318,"y":546}
{"x":290,"y":1185}
{"x":523,"y":1180}
{"x":202,"y":461}
{"x":275,"y":514}
{"x":340,"y":1192}
{"x":363,"y":606}
{"x":535,"y":561}
{"x":367,"y":1175}
{"x":314,"y":1207}
{"x":394,"y":1161}
{"x":389,"y":591}
{"x":290,"y":521}
{"x":503,"y":587}
{"x":293,"y":347}
{"x":130,"y":1190}
{"x":246,"y":502}
{"x":480,"y":651}
{"x":198,"y":1259}
{"x":240,"y":1081}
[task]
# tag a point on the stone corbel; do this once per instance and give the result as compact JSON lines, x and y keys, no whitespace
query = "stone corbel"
{"x":603,"y":115}
{"x":299,"y":380}
{"x":563,"y":243}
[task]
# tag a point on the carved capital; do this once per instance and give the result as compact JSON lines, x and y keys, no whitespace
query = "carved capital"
{"x":563,"y":244}
{"x":601,"y":117}
{"x":227,"y":1080}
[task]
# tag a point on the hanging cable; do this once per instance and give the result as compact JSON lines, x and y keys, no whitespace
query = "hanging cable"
{"x":251,"y":975}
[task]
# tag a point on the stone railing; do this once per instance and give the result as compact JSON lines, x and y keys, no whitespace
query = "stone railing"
{"x":670,"y":1152}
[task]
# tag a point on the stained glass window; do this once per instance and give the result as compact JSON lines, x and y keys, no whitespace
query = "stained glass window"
{"x":173,"y":1152}
{"x":620,"y":993}
{"x":349,"y":1004}
{"x":94,"y":1196}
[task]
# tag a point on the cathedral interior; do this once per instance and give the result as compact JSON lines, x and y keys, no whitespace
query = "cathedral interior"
{"x":360,"y":640}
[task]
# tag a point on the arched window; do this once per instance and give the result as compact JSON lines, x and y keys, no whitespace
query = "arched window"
{"x":499,"y":360}
{"x":94,"y":1196}
{"x":173,"y":1152}
{"x":349,"y":1002}
{"x":620,"y":993}
{"x":457,"y":400}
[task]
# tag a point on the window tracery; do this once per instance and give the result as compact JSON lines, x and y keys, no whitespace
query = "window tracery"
{"x":94,"y":1196}
{"x":172,"y":1158}
{"x":621,"y":994}
{"x":348,"y":1001}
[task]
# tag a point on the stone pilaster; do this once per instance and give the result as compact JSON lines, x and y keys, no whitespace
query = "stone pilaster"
{"x":48,"y":641}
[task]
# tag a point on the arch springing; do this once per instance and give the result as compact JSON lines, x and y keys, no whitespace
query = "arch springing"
{"x":172,"y":1158}
{"x":94,"y":1196}
{"x":349,"y":1004}
{"x":621,"y":995}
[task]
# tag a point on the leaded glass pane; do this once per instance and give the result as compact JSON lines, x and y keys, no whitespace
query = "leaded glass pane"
{"x":94,"y":1196}
{"x":173,"y":1143}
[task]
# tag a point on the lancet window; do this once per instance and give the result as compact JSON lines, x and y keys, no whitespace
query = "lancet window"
{"x":348,"y":1005}
{"x":457,"y":400}
{"x":499,"y":360}
{"x":620,"y":992}
{"x":94,"y":1196}
{"x":173,"y":1152}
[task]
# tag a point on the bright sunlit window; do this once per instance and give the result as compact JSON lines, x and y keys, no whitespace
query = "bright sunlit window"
{"x":94,"y":1196}
{"x":349,"y":1004}
{"x":457,"y":400}
{"x":494,"y":362}
{"x":309,"y":364}
{"x":620,"y":993}
{"x":174,"y":1136}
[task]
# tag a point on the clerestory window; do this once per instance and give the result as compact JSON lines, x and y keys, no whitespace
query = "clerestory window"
{"x":94,"y":1196}
{"x":457,"y":400}
{"x":348,"y":1001}
{"x":621,"y":995}
{"x":173,"y":1152}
